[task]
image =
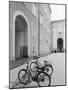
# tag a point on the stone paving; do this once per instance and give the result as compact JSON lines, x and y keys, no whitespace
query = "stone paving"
{"x":58,"y":77}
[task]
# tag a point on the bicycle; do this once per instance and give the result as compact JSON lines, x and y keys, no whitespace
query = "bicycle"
{"x":41,"y":78}
{"x":36,"y":64}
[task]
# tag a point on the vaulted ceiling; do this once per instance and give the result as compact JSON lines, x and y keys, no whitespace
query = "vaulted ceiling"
{"x":20,"y":23}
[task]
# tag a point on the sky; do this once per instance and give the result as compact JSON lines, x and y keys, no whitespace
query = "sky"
{"x":58,"y":12}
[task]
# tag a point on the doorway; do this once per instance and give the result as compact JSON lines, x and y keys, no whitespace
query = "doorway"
{"x":60,"y":44}
{"x":21,"y":37}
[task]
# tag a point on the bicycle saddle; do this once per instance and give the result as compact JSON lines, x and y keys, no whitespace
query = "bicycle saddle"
{"x":36,"y":57}
{"x":45,"y":61}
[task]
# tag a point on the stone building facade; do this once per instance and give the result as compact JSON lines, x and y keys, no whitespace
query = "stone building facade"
{"x":45,"y":29}
{"x":58,"y":35}
{"x":29,"y":29}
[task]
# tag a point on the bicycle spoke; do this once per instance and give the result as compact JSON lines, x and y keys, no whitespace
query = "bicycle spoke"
{"x":43,"y":79}
{"x":23,"y":76}
{"x":49,"y":69}
{"x":33,"y":67}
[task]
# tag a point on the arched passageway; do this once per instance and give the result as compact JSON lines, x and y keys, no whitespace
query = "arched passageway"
{"x":60,"y":44}
{"x":21,"y":37}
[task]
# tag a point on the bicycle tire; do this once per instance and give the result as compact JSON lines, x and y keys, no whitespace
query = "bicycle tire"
{"x":39,"y":82}
{"x":20,"y":78}
{"x":50,"y":66}
{"x":33,"y":69}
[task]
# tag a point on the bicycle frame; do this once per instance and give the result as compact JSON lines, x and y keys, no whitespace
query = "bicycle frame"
{"x":39,"y":64}
{"x":30,"y":75}
{"x":34,"y":78}
{"x":46,"y":67}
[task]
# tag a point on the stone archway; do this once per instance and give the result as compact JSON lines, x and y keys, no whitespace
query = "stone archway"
{"x":21,"y":37}
{"x":13,"y":32}
{"x":60,"y":44}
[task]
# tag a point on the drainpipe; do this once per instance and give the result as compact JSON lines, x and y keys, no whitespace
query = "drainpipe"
{"x":38,"y":32}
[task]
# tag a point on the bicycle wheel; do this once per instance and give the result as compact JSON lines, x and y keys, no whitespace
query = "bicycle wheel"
{"x":43,"y":79}
{"x":23,"y":76}
{"x":33,"y":67}
{"x":49,"y":69}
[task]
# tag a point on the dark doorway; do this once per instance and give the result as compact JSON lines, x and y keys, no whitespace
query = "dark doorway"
{"x":21,"y":37}
{"x":60,"y":44}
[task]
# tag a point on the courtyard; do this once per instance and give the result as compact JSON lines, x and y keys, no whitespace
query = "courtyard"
{"x":57,"y":60}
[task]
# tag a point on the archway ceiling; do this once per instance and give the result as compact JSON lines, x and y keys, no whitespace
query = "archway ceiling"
{"x":20,"y":23}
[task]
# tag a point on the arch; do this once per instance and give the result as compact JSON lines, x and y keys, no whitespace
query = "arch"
{"x":21,"y":37}
{"x":60,"y":44}
{"x":14,"y":17}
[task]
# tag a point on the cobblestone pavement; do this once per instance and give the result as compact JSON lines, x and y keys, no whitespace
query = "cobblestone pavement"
{"x":58,"y":77}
